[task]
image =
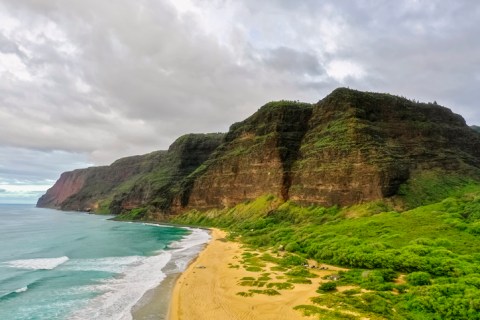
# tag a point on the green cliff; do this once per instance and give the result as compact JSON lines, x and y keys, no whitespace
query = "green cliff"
{"x":351,"y":147}
{"x":133,"y":182}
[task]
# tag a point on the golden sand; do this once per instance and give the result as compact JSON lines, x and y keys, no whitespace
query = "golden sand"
{"x":208,"y":289}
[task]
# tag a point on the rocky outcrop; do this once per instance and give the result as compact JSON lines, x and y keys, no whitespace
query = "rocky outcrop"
{"x":348,"y":148}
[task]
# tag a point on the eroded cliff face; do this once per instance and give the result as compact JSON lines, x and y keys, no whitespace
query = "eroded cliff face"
{"x":362,"y":146}
{"x":69,"y":183}
{"x":91,"y":188}
{"x":350,"y":147}
{"x":255,"y":158}
{"x":157,"y":188}
{"x":131,"y":182}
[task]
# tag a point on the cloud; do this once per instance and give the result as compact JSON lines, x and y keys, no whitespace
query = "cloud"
{"x":86,"y":82}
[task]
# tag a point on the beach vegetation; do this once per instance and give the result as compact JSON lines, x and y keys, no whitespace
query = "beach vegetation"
{"x":325,"y":314}
{"x":419,"y":262}
{"x":299,"y":280}
{"x":280,"y":285}
{"x":327,"y":287}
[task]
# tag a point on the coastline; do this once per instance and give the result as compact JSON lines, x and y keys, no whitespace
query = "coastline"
{"x":208,"y":289}
{"x":155,"y":303}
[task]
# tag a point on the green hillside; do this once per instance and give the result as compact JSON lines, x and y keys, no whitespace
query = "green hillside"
{"x":416,"y":264}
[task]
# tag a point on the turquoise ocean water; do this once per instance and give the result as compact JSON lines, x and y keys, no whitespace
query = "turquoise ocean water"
{"x":61,"y":265}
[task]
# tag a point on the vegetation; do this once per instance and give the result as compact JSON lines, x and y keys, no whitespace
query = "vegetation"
{"x":327,"y":287}
{"x":416,"y":264}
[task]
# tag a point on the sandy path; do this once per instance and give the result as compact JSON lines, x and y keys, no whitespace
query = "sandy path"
{"x":207,"y":289}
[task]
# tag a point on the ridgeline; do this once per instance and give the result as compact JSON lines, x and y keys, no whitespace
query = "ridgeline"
{"x":350,"y":148}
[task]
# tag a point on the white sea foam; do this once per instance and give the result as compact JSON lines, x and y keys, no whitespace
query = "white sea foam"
{"x":110,"y":264}
{"x":188,"y":247}
{"x":21,"y":289}
{"x":37,"y":264}
{"x":195,"y":238}
{"x":138,"y":275}
{"x":157,"y":225}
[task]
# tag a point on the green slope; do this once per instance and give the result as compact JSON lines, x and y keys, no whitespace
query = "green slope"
{"x":434,"y":247}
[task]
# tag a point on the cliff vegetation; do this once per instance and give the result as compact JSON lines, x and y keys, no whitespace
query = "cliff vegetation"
{"x":351,"y":147}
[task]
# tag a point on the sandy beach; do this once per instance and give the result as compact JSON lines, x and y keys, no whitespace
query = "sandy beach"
{"x":208,"y":289}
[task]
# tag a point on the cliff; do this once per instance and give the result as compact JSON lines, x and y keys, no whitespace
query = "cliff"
{"x":255,"y":158}
{"x":86,"y":189}
{"x":362,"y":146}
{"x":132,"y":181}
{"x":157,"y":188}
{"x":350,"y":147}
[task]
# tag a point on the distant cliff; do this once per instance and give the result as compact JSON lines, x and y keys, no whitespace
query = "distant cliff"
{"x":133,"y":181}
{"x":350,"y":147}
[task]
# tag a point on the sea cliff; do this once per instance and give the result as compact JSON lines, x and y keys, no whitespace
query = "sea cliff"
{"x":349,"y":148}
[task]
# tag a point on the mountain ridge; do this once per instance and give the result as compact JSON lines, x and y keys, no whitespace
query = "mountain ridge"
{"x":350,"y":147}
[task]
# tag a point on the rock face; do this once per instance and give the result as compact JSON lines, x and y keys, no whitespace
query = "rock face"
{"x":350,"y":147}
{"x":362,"y":146}
{"x":86,"y":189}
{"x":255,"y":159}
{"x":158,"y":187}
{"x":133,"y":181}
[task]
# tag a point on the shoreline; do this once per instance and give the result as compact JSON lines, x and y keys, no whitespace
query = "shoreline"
{"x":155,"y":303}
{"x":208,"y":289}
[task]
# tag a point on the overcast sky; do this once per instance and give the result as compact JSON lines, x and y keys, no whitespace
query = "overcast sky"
{"x":84,"y":82}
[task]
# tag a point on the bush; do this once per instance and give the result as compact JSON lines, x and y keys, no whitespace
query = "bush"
{"x":327,"y":287}
{"x":419,"y":278}
{"x":292,"y":260}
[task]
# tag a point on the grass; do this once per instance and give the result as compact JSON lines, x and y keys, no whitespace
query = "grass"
{"x":433,"y":246}
{"x":324,"y":314}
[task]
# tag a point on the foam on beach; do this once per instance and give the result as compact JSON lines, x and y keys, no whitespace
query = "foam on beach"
{"x":137,"y":275}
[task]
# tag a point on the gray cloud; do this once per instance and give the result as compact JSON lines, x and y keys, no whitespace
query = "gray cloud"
{"x":86,"y":82}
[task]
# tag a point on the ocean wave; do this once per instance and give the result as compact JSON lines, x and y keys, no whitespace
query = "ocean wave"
{"x":23,"y":289}
{"x":196,"y":237}
{"x":157,"y":225}
{"x":37,"y":264}
{"x":109,"y":264}
{"x":121,"y":293}
{"x":13,"y":293}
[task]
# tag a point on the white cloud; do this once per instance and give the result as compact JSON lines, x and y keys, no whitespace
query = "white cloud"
{"x":341,"y":69}
{"x":99,"y":80}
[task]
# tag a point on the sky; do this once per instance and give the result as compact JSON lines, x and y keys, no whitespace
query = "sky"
{"x":85,"y":82}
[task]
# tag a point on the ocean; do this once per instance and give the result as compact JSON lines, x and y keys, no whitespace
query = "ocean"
{"x":70,"y":265}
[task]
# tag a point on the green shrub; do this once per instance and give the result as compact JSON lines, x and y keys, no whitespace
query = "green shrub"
{"x":327,"y":287}
{"x":419,"y":278}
